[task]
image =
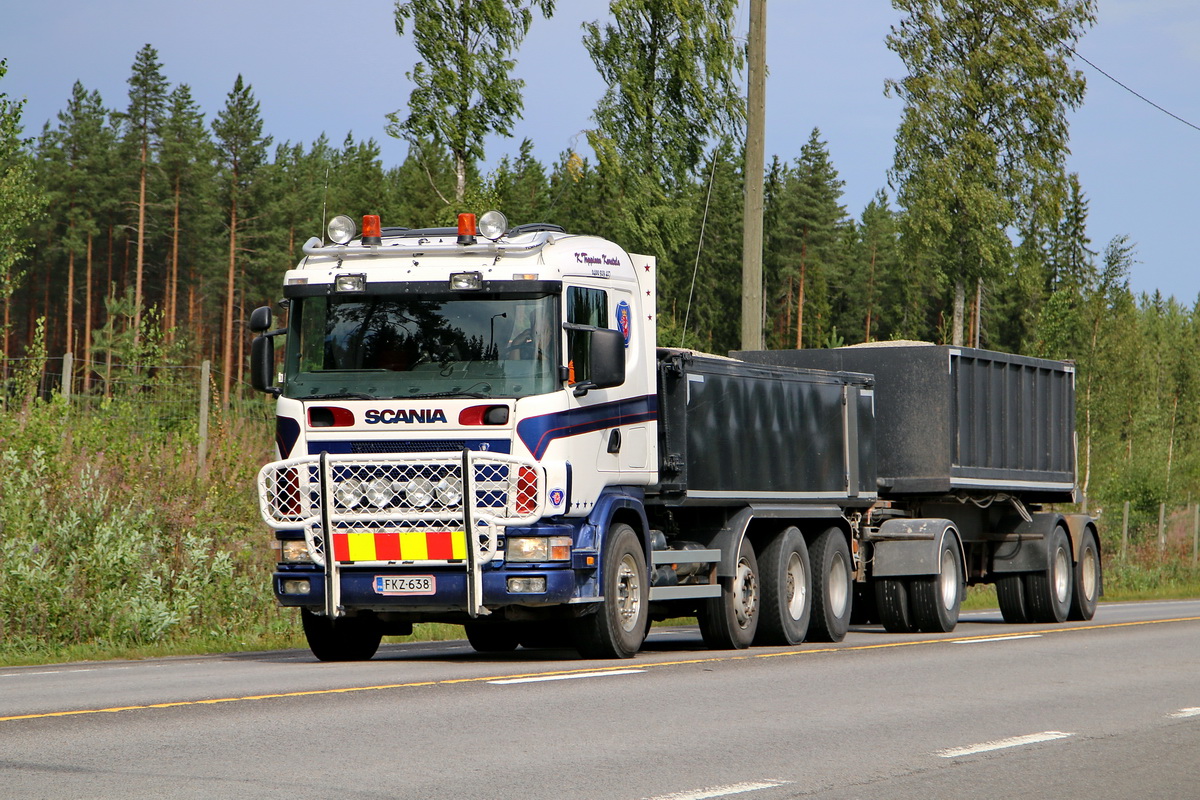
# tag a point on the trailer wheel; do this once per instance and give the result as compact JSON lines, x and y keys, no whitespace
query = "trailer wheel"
{"x":729,"y":622}
{"x":343,"y":639}
{"x":1048,"y":591}
{"x":786,"y":590}
{"x":936,"y":599}
{"x":1010,"y":594}
{"x":497,"y":637}
{"x":891,"y":599}
{"x":1087,"y":579}
{"x":618,"y":627}
{"x":833,"y":588}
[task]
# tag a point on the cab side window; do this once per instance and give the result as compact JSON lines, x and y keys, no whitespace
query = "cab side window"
{"x":584,"y":307}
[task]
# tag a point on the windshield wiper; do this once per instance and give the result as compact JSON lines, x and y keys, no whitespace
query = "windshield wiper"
{"x":340,"y":396}
{"x":487,"y":387}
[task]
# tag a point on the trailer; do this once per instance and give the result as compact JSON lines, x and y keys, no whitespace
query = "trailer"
{"x":474,"y":426}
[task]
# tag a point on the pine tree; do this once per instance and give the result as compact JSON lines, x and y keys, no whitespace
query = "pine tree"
{"x":142,"y":120}
{"x":186,"y":160}
{"x":241,"y":148}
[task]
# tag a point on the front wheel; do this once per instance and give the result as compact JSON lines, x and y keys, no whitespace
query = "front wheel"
{"x":618,"y":627}
{"x":729,"y":622}
{"x":342,"y":639}
{"x":832,"y":587}
{"x":786,"y":590}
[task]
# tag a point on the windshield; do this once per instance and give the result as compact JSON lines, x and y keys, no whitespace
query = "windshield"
{"x":403,"y":346}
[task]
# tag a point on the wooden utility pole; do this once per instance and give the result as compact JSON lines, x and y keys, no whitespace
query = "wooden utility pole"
{"x":752,"y":232}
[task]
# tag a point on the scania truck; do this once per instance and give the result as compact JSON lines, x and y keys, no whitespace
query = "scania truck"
{"x":475,"y":426}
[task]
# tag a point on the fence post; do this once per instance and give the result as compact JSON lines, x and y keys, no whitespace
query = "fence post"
{"x":1162,"y":531}
{"x":68,"y":369}
{"x":1125,"y":531}
{"x":202,"y":451}
{"x":1195,"y":534}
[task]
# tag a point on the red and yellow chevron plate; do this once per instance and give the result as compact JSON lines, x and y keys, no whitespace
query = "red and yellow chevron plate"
{"x":406,"y":546}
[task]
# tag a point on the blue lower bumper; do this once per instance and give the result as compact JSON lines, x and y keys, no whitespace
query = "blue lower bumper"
{"x":358,"y":589}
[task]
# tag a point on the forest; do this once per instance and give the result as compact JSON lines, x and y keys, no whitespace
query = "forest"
{"x":143,"y":229}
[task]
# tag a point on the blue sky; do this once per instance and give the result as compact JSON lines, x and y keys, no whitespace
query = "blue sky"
{"x":338,"y":67}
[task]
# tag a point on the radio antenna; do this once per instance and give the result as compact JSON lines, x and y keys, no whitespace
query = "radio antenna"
{"x":324,"y":200}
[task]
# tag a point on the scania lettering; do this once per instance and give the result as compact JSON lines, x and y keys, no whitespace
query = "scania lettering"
{"x":475,"y":426}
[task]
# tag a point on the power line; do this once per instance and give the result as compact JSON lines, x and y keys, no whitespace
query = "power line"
{"x":1139,"y":96}
{"x":1032,"y":16}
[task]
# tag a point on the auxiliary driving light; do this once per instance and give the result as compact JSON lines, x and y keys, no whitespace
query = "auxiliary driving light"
{"x":492,"y":225}
{"x":350,"y":283}
{"x":341,"y":229}
{"x":527,"y":585}
{"x":466,"y":281}
{"x":419,"y":492}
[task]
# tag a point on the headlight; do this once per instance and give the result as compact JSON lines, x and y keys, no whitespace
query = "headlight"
{"x":539,"y":548}
{"x":419,"y":492}
{"x":349,"y":493}
{"x":294,"y":551}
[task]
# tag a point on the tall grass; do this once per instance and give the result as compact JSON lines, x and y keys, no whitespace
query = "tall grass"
{"x":113,"y":541}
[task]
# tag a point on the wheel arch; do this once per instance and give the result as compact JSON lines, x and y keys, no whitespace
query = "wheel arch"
{"x":907,"y":547}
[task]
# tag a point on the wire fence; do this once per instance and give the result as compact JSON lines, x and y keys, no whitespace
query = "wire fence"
{"x":171,"y":394}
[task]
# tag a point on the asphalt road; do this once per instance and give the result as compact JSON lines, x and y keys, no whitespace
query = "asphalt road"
{"x":1106,"y":709}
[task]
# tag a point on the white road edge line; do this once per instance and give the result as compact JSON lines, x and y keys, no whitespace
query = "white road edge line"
{"x":720,"y":791}
{"x":999,"y":638}
{"x":1184,"y":713}
{"x":1016,"y":741}
{"x":572,"y":677}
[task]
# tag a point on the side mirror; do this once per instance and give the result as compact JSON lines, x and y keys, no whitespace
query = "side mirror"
{"x":260,"y":319}
{"x":262,"y":361}
{"x":606,"y":349}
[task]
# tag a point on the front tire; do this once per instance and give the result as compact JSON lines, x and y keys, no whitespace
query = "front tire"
{"x":343,"y":639}
{"x":729,"y":622}
{"x":618,"y":627}
{"x":786,"y":590}
{"x":833,"y":587}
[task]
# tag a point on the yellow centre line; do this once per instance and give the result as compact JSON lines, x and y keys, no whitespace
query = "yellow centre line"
{"x":592,"y":669}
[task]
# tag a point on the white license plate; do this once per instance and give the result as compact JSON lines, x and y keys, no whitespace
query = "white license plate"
{"x":405,"y":584}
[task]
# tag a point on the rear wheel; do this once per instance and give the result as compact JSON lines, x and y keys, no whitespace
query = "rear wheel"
{"x":786,"y":590}
{"x":1048,"y":591}
{"x":1087,"y":579}
{"x":343,"y":639}
{"x":729,"y":622}
{"x":1010,"y":594}
{"x":936,"y":599}
{"x":891,"y":600}
{"x":832,"y":587}
{"x":619,"y":625}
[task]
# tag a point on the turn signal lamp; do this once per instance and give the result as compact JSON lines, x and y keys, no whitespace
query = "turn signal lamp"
{"x":372,"y":232}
